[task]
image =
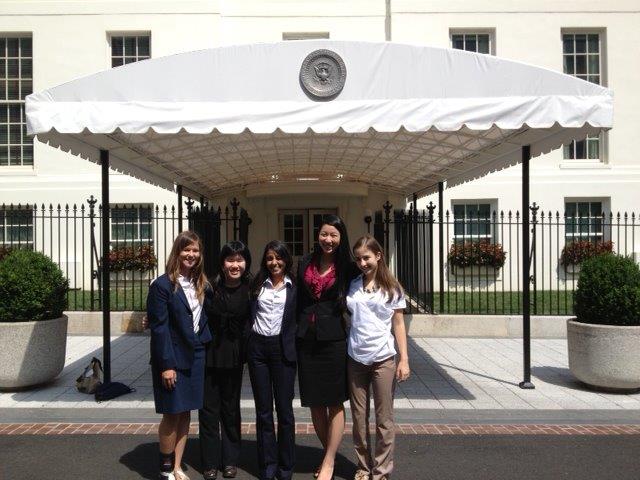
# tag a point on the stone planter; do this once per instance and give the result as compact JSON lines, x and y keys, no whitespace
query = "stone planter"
{"x":31,"y":353}
{"x":604,"y":356}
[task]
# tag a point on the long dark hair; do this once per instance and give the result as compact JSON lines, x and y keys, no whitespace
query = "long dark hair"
{"x":228,"y":249}
{"x":282,"y":251}
{"x":343,"y":258}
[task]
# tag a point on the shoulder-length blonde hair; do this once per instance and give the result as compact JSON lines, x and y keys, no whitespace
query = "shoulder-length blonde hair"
{"x":384,"y":278}
{"x":199,"y":278}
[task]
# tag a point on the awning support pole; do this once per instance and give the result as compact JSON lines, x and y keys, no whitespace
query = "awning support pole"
{"x":526,"y":266}
{"x":179,"y":190}
{"x":106,"y":300}
{"x":441,"y":242}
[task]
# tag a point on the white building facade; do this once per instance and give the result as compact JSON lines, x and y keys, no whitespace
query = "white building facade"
{"x":45,"y":43}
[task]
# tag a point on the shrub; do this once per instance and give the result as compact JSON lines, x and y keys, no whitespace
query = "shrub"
{"x":32,"y":287}
{"x":132,"y":258}
{"x":578,"y":251}
{"x":608,"y":291}
{"x":479,"y":253}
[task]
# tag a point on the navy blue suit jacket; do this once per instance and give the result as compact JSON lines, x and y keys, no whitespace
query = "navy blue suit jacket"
{"x":171,"y":323}
{"x":289,"y":325}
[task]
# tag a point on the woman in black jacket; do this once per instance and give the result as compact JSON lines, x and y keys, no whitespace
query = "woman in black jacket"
{"x":323,"y":279}
{"x":228,"y":309}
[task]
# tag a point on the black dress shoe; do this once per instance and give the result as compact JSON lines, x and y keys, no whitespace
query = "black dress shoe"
{"x":210,"y":474}
{"x":229,"y":472}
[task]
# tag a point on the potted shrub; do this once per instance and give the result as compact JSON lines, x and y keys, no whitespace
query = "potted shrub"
{"x":604,"y":338}
{"x":476,"y":258}
{"x":577,"y":251}
{"x":33,"y":329}
{"x":130,"y":263}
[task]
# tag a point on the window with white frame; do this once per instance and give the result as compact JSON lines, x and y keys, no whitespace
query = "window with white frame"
{"x":129,"y":49}
{"x":304,"y":35}
{"x":582,"y":57}
{"x":479,"y":42}
{"x":583,"y":220}
{"x":16,"y":82}
{"x":472,"y":221}
{"x":16,"y":227}
{"x":131,"y":224}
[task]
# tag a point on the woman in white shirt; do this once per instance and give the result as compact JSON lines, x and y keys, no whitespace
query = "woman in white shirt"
{"x":375,"y":301}
{"x":271,"y":356}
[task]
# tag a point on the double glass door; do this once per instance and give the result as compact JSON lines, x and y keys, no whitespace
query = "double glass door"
{"x":299,"y":229}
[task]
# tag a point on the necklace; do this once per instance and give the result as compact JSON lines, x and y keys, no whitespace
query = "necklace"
{"x":372,"y":289}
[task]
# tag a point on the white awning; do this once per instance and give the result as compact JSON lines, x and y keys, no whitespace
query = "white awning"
{"x":408,"y":117}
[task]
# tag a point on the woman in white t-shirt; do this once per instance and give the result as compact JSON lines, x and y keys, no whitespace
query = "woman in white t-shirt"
{"x":375,"y":301}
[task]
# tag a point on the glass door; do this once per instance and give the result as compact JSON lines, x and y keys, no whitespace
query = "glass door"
{"x":299,"y":229}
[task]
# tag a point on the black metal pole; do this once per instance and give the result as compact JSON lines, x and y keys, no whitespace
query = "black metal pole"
{"x":441,"y":242}
{"x":179,"y":190}
{"x":526,"y":286}
{"x":431,"y":207}
{"x":106,"y":300}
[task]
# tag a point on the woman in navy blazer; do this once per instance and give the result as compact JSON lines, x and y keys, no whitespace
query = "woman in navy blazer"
{"x":179,"y":331}
{"x":271,"y":356}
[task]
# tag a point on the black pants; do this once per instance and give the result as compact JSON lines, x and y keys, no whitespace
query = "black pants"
{"x":272,"y":377}
{"x":219,"y":418}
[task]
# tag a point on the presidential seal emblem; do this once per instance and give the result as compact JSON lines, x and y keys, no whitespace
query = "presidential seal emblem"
{"x":323,"y":74}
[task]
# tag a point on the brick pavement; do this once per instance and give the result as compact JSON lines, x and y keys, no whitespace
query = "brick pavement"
{"x":305,"y":428}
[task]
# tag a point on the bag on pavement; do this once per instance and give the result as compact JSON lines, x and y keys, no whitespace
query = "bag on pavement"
{"x":109,"y":391}
{"x":91,"y":378}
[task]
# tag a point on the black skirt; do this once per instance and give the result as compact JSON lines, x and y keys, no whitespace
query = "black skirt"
{"x":322,"y":372}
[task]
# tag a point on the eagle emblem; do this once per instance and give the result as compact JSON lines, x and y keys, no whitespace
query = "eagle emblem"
{"x":323,"y":74}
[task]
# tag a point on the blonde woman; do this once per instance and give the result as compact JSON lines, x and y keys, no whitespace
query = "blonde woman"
{"x":179,"y":331}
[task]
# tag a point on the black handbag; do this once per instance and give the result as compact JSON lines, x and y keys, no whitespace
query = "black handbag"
{"x":109,"y":391}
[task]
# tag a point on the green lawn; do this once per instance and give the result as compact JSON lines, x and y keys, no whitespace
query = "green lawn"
{"x":549,"y":302}
{"x":129,"y":298}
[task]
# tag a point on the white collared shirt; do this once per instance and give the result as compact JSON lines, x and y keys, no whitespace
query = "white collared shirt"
{"x":189,"y":290}
{"x":370,"y":337}
{"x":270,"y":309}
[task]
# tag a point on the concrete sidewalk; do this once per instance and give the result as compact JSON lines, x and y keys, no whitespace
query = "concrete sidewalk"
{"x":450,"y":377}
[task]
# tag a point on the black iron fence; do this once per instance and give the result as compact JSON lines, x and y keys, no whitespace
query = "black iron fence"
{"x":141,"y":237}
{"x":477,"y":268}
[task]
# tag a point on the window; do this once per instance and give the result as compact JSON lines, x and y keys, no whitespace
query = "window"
{"x":472,"y":42}
{"x":583,"y":221}
{"x":129,"y":49}
{"x":16,"y":82}
{"x":16,"y":227}
{"x":131,"y":225}
{"x":472,"y":221}
{"x":581,"y":57}
{"x":304,"y":35}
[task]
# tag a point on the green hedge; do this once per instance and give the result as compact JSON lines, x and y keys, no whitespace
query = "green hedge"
{"x":608,"y":291}
{"x":32,"y":287}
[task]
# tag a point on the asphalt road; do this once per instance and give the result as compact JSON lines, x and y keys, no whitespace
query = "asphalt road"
{"x":441,"y":457}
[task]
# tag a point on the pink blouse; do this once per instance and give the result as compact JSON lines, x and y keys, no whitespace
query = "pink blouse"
{"x":318,"y":283}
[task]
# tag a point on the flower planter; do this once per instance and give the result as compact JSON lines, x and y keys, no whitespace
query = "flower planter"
{"x":604,"y":356}
{"x":475,"y":271}
{"x":130,"y":276}
{"x":572,"y":269}
{"x":31,"y":353}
